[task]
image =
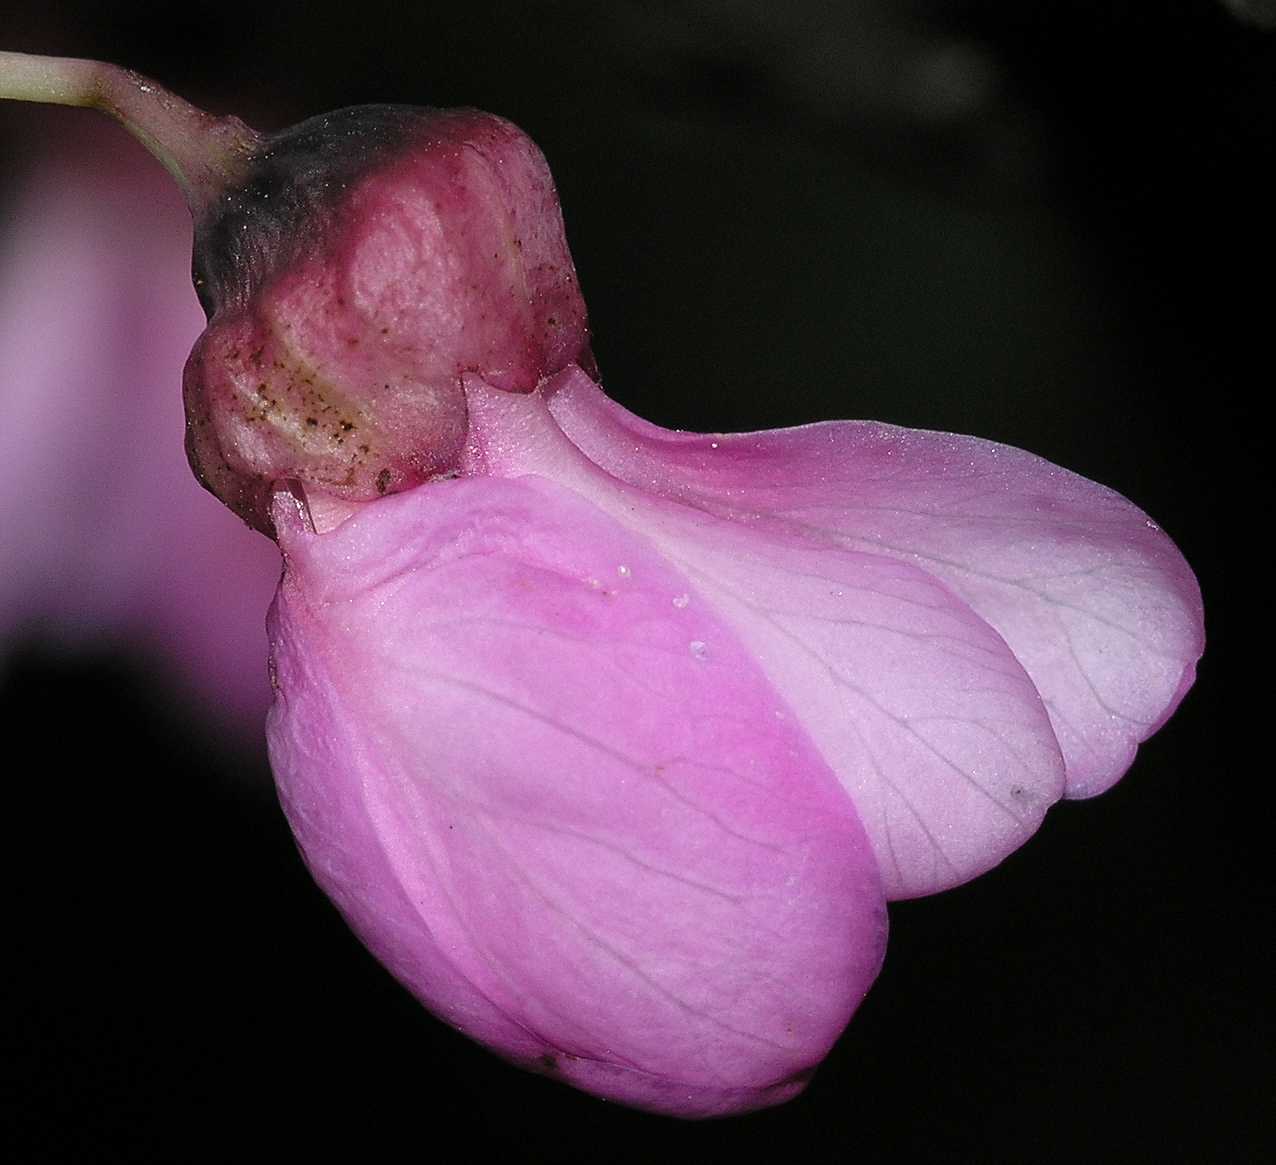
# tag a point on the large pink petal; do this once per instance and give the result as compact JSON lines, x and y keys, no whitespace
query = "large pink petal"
{"x":1094,"y":599}
{"x":915,"y":702}
{"x":567,"y":830}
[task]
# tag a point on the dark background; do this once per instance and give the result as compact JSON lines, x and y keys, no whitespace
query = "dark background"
{"x":1032,"y":222}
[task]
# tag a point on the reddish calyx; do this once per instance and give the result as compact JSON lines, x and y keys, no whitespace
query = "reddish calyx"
{"x":373,"y":258}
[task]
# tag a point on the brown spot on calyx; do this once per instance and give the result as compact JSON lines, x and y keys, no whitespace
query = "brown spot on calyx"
{"x":338,"y":482}
{"x":295,"y":406}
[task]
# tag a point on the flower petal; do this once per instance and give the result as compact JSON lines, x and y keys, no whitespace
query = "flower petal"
{"x":917,"y":705}
{"x":925,"y":715}
{"x":566,"y":830}
{"x":1094,"y":599}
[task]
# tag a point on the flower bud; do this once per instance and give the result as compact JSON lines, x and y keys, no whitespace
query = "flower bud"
{"x":373,"y":257}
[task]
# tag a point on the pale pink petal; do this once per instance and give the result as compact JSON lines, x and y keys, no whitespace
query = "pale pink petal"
{"x":567,"y":830}
{"x":1093,"y":598}
{"x":917,"y":705}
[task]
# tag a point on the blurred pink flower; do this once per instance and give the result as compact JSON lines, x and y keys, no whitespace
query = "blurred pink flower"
{"x":104,"y":534}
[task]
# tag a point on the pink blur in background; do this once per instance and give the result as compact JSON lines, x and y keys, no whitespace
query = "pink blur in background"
{"x":105,"y":536}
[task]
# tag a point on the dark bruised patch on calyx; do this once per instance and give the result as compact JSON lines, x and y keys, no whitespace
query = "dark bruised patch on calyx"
{"x":299,"y":177}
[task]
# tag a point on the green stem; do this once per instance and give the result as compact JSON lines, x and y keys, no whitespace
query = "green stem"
{"x":205,"y":154}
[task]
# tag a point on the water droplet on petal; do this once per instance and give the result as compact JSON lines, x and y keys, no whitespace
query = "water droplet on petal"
{"x":698,"y":649}
{"x":623,"y":571}
{"x":680,"y":601}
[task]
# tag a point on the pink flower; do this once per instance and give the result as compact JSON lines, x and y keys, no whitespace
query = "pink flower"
{"x":103,"y":533}
{"x":612,"y":743}
{"x":574,"y":742}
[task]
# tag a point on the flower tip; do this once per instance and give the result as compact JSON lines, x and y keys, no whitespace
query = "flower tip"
{"x":665,"y":1096}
